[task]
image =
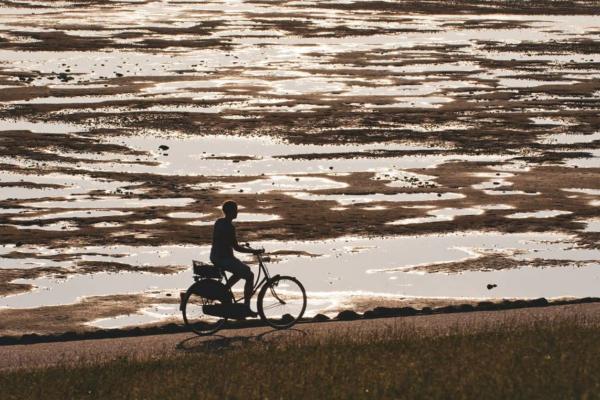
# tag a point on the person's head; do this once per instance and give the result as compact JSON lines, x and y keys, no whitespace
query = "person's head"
{"x":230,"y":209}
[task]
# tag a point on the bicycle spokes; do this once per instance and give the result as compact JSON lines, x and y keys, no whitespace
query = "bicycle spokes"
{"x":199,"y":313}
{"x":282,"y":302}
{"x":274,"y":294}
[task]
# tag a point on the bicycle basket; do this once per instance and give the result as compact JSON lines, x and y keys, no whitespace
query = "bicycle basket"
{"x":204,"y":270}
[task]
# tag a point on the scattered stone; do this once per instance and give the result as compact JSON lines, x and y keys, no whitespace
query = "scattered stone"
{"x":347,"y":315}
{"x":385,"y":312}
{"x":68,"y":336}
{"x":486,"y":305}
{"x":407,"y":311}
{"x":320,"y":318}
{"x":370,"y":314}
{"x":445,"y":310}
{"x":464,"y":308}
{"x":541,"y":302}
{"x":64,"y":77}
{"x":287,"y":318}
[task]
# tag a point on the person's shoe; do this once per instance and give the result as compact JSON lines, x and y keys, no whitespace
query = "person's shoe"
{"x":251,"y":313}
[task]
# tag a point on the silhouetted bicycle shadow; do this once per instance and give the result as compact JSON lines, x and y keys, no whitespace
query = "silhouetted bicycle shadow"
{"x":220,"y":342}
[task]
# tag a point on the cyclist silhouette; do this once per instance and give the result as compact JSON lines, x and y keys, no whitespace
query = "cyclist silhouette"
{"x":221,"y":254}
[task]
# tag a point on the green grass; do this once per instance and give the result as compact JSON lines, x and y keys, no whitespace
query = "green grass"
{"x":560,"y":361}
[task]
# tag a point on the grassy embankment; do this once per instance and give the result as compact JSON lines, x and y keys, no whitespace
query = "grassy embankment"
{"x":550,"y":361}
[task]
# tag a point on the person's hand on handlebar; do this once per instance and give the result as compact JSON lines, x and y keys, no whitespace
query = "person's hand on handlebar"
{"x":258,"y":251}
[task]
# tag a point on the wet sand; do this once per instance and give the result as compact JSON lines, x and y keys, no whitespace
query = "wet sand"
{"x":125,"y":125}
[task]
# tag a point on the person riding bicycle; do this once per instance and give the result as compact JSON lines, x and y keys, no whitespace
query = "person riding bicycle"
{"x":221,"y":254}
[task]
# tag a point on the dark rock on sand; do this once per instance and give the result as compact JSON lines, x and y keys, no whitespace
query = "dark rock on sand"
{"x":347,"y":315}
{"x":407,"y":311}
{"x":589,"y":300}
{"x":541,"y":302}
{"x":95,"y":334}
{"x":30,"y":338}
{"x":486,"y":305}
{"x":520,"y":303}
{"x":64,"y":77}
{"x":385,"y":312}
{"x":464,"y":308}
{"x":320,"y":318}
{"x":444,"y":310}
{"x":287,"y":318}
{"x":70,"y":335}
{"x":370,"y":314}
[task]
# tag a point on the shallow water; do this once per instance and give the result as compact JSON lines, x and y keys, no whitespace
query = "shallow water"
{"x":443,"y":214}
{"x":39,"y":127}
{"x":353,"y":266}
{"x":283,"y":183}
{"x":111,"y":203}
{"x":74,"y":214}
{"x":570,"y":138}
{"x":539,"y":214}
{"x":245,"y":217}
{"x":122,"y":321}
{"x":347,"y":199}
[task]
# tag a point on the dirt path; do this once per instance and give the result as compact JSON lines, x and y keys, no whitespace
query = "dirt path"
{"x":45,"y":354}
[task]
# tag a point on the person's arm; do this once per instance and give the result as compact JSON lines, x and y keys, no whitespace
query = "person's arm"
{"x":242,"y":249}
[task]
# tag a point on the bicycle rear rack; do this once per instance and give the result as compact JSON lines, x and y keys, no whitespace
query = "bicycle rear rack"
{"x":203,"y":270}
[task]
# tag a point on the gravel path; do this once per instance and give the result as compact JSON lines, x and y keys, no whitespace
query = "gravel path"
{"x":144,"y":347}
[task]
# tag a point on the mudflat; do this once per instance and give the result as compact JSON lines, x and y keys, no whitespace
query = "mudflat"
{"x":403,"y":153}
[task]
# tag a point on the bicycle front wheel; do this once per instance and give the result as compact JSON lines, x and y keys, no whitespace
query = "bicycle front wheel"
{"x":282,"y":302}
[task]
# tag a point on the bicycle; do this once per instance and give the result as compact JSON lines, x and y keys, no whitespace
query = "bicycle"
{"x":209,"y":302}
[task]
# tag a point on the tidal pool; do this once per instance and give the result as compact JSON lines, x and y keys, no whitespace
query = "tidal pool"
{"x":293,"y":97}
{"x":351,"y":266}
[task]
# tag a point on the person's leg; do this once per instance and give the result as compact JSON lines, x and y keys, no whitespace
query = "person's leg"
{"x":240,"y":271}
{"x":243,"y":271}
{"x":223,"y":265}
{"x":232,"y":280}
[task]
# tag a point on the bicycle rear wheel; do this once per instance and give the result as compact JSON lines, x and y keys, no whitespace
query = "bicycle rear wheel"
{"x":282,"y":302}
{"x":195,"y":316}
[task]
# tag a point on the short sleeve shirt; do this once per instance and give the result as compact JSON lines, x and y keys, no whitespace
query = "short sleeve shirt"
{"x":223,"y":239}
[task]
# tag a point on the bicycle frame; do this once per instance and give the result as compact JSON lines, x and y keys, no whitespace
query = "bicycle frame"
{"x":258,"y":283}
{"x":213,"y":284}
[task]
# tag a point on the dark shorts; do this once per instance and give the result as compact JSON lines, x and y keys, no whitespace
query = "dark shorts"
{"x":235,"y":266}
